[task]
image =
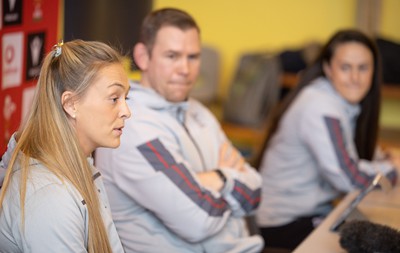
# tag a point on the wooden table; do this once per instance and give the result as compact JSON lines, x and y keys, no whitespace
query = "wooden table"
{"x":377,"y":206}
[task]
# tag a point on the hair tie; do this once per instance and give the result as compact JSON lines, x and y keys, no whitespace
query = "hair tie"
{"x":57,"y":48}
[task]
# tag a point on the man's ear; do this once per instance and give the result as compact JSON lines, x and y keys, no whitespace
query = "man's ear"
{"x":141,"y":56}
{"x":68,"y":103}
{"x":327,"y":69}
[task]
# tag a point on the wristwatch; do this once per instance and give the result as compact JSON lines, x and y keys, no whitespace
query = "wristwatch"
{"x":221,"y":175}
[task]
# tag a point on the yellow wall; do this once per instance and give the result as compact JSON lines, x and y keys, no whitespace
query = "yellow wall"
{"x":390,"y":19}
{"x":237,"y":26}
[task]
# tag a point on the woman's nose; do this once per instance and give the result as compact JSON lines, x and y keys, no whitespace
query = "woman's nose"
{"x":125,"y":111}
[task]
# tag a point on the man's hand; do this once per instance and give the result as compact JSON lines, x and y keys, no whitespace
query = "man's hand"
{"x":210,"y":180}
{"x":229,"y":157}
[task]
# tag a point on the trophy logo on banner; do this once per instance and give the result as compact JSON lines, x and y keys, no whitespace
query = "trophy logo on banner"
{"x":37,"y":14}
{"x":35,"y":49}
{"x":12,"y":12}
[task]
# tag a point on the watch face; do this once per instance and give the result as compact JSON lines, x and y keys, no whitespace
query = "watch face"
{"x":221,"y":175}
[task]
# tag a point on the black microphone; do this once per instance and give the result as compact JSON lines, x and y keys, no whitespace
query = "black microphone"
{"x":366,"y":237}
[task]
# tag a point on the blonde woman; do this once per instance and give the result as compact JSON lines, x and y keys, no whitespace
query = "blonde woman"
{"x":52,"y":198}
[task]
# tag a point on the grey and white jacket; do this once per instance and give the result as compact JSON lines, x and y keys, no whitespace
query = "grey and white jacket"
{"x":56,"y":217}
{"x":157,"y":202}
{"x":312,"y":157}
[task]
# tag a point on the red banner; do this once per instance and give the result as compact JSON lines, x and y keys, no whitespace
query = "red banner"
{"x":28,"y":30}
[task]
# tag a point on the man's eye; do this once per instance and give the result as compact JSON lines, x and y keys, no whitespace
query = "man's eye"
{"x":345,"y":67}
{"x":172,"y":56}
{"x":194,"y":57}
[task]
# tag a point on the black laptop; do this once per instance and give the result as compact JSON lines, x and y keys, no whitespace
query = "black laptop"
{"x":351,"y":212}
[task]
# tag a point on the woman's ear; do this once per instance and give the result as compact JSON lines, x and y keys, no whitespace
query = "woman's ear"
{"x":68,"y":103}
{"x":141,"y":56}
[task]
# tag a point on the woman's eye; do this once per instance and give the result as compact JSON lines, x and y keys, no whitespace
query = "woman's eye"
{"x":364,"y":68}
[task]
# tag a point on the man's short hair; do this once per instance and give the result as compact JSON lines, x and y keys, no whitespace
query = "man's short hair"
{"x":157,"y":19}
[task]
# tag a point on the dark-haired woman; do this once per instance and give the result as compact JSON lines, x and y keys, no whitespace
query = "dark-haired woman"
{"x":322,"y":142}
